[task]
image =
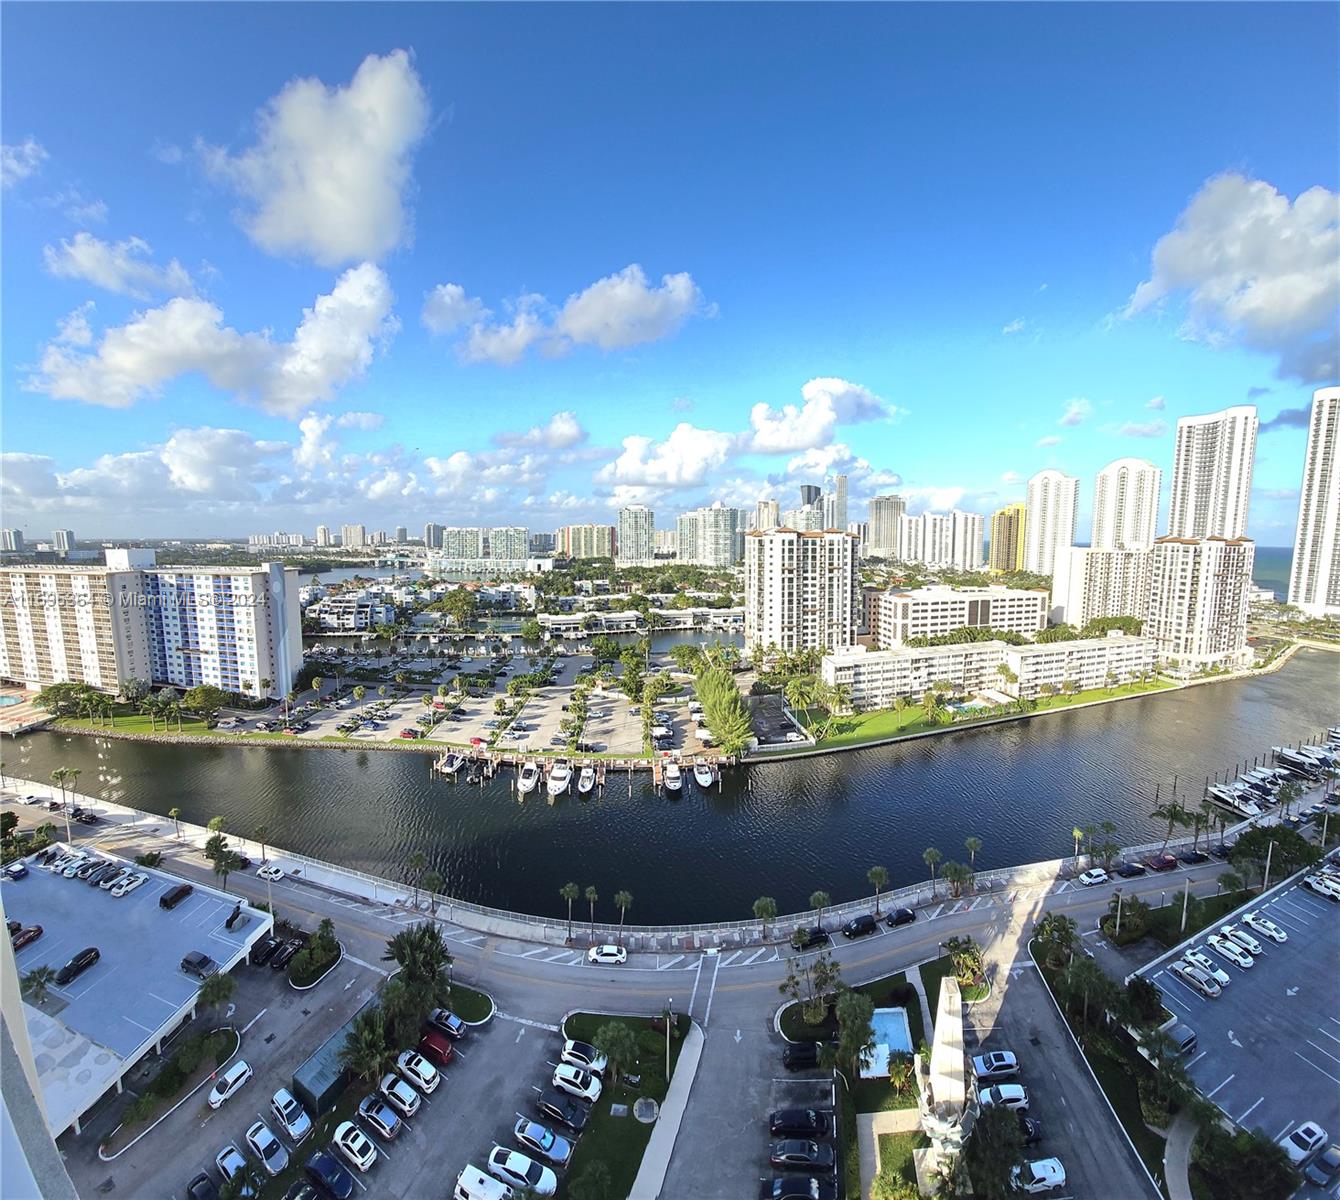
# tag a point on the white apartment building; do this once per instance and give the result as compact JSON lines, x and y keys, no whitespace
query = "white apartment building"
{"x":12,"y":540}
{"x":323,"y":537}
{"x":463,"y":542}
{"x":967,"y":533}
{"x":834,"y":503}
{"x":637,"y":534}
{"x":62,"y":540}
{"x":875,"y":678}
{"x":586,"y":541}
{"x":1212,"y":474}
{"x":1314,"y":582}
{"x":1198,"y":601}
{"x":353,"y":537}
{"x":223,"y":626}
{"x":1090,"y":583}
{"x":952,"y":539}
{"x":711,"y":537}
{"x":1126,"y":505}
{"x":895,"y":615}
{"x":352,"y":613}
{"x":278,"y":538}
{"x":666,"y":541}
{"x":1053,"y":504}
{"x":508,"y":541}
{"x":432,"y":536}
{"x":800,"y":590}
{"x":767,"y":514}
{"x":1084,"y":663}
{"x":885,"y":520}
{"x":808,"y":518}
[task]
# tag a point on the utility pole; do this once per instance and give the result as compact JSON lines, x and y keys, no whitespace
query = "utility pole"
{"x":1265,"y":882}
{"x":1186,"y":900}
{"x":669,"y":1020}
{"x":1117,"y":931}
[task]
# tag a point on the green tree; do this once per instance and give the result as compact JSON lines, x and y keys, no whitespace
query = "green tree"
{"x":591,"y":897}
{"x":415,"y":866}
{"x":765,"y":910}
{"x":617,"y":1043}
{"x":957,"y":875}
{"x":365,"y":1052}
{"x":623,"y":901}
{"x":225,"y":864}
{"x":531,"y":630}
{"x":1056,"y":936}
{"x":972,"y":845}
{"x":433,"y":883}
{"x":931,"y":857}
{"x":856,"y":1033}
{"x":261,"y":834}
{"x":820,"y":901}
{"x":37,"y":982}
{"x":1291,"y":851}
{"x":1143,"y":1002}
{"x":215,"y":825}
{"x":569,"y":892}
{"x":1175,"y":813}
{"x":594,"y":1183}
{"x":990,"y":1155}
{"x":215,"y":992}
{"x":878,"y":878}
{"x":174,"y":815}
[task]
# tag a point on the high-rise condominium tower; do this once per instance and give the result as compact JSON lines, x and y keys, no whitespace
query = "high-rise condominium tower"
{"x":767,"y":514}
{"x":355,"y":536}
{"x":1212,"y":474}
{"x":637,"y":534}
{"x":1314,"y":583}
{"x":1007,"y":537}
{"x":800,"y":590}
{"x":1126,"y":505}
{"x":885,"y":513}
{"x":1053,"y":501}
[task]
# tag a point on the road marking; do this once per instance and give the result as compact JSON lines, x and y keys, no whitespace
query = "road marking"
{"x":1251,"y":1110}
{"x":565,"y":954}
{"x":359,"y":962}
{"x":697,"y":978}
{"x":529,"y":1024}
{"x":1314,"y":1066}
{"x":976,"y":902}
{"x":137,"y":1024}
{"x":756,"y":954}
{"x":938,"y":909}
{"x":1197,"y":1059}
{"x":1174,"y":999}
{"x":1209,"y":1095}
{"x":1287,"y":1126}
{"x":732,"y":957}
{"x":254,"y":1019}
{"x":1310,"y":1043}
{"x":711,"y":991}
{"x":1063,"y":887}
{"x":660,"y":966}
{"x":1332,"y":1036}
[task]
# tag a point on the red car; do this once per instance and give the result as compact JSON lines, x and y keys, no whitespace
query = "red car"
{"x":24,"y":936}
{"x":1161,"y":862}
{"x":436,"y":1048}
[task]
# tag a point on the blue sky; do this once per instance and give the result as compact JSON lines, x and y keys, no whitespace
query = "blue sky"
{"x":269,"y":266}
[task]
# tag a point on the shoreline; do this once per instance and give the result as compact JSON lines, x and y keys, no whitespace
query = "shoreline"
{"x":755,"y":759}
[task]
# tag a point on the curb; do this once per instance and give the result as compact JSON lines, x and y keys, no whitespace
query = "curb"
{"x":307,"y":987}
{"x":493,"y":1006}
{"x":170,"y":1111}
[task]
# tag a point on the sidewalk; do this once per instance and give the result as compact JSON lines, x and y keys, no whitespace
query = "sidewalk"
{"x":1177,"y":1155}
{"x":656,"y":1159}
{"x":869,"y":1127}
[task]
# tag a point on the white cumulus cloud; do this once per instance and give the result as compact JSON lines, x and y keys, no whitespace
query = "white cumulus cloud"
{"x":120,"y":267}
{"x":687,"y":457}
{"x":327,"y":177}
{"x":18,"y":162}
{"x":560,"y":432}
{"x":1258,"y":269}
{"x":1050,"y":440}
{"x":447,"y":308}
{"x":826,"y":403}
{"x":1015,"y":326}
{"x":1075,"y":412}
{"x":1156,"y":403}
{"x":623,"y":310}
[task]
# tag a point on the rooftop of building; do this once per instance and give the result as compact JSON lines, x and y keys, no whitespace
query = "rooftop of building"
{"x":989,"y":589}
{"x":1170,"y":539}
{"x":86,"y":1033}
{"x":807,"y":533}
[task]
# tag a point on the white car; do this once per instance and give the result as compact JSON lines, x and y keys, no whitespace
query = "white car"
{"x":1006,"y":1095}
{"x":73,"y":864}
{"x":1198,"y":958}
{"x":1242,"y":937}
{"x":584,"y":1055}
{"x":1040,"y":1175}
{"x":229,"y":1084}
{"x":355,"y":1146}
{"x":1092,"y":878}
{"x":268,"y":1148}
{"x":1323,"y":885}
{"x":1264,"y":927}
{"x":576,"y":1082}
{"x":403,"y":1098}
{"x":1196,"y":979}
{"x":291,"y":1115}
{"x":1303,"y":1142}
{"x":112,"y":880}
{"x":607,"y":956}
{"x":1229,"y":949}
{"x":271,"y":872}
{"x":518,"y":1171}
{"x":231,"y":1164}
{"x":130,"y":883}
{"x":419,"y":1071}
{"x":793,"y":736}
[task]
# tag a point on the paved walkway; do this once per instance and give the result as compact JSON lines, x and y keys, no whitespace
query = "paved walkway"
{"x":914,"y":978}
{"x":869,"y":1127}
{"x":1177,"y":1155}
{"x":656,"y":1158}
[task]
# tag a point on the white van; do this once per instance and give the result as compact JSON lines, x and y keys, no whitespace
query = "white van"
{"x":473,"y":1184}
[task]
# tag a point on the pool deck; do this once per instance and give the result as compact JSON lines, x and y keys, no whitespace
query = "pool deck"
{"x":893,"y":1035}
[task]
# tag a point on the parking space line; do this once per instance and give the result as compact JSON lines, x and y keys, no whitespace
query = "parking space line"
{"x":1332,"y":1036}
{"x":1210,"y":1094}
{"x":756,"y":954}
{"x":1251,"y":1110}
{"x":660,"y":966}
{"x":1314,"y":1066}
{"x":567,"y":955}
{"x":532,"y":953}
{"x":730,"y":958}
{"x":1284,"y":1129}
{"x":1197,"y":1059}
{"x":1319,"y":1050}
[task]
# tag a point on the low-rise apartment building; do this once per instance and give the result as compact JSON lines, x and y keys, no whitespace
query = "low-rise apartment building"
{"x":895,"y":615}
{"x":1043,"y":667}
{"x":876,"y":678}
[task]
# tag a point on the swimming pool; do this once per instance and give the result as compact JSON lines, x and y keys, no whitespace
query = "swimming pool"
{"x":10,"y":701}
{"x":893,"y":1035}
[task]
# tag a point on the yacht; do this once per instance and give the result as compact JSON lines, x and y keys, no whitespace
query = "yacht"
{"x":560,"y":778}
{"x":703,"y":775}
{"x":1230,"y":797}
{"x":586,"y":780}
{"x":449,"y":764}
{"x":528,"y":778}
{"x":674,"y":780}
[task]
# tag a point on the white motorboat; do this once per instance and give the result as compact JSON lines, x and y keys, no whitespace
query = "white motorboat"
{"x":449,"y":764}
{"x":528,"y":778}
{"x":586,"y":780}
{"x":703,"y":775}
{"x":560,"y":778}
{"x":674,"y":779}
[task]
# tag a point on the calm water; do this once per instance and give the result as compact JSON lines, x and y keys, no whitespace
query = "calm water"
{"x":1271,"y":567}
{"x":781,"y":830}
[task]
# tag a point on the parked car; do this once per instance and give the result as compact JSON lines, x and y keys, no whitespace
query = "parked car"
{"x":285,"y":954}
{"x":1229,"y":949}
{"x":419,"y":1071}
{"x":402,"y":1097}
{"x":1006,"y":1095}
{"x":900,"y":916}
{"x":271,"y":872}
{"x":1040,"y":1175}
{"x":803,"y":938}
{"x":539,"y":1139}
{"x":446,"y":1021}
{"x":171,"y":899}
{"x":268,"y":1148}
{"x":1193,"y":856}
{"x":111,"y":881}
{"x":860,"y":926}
{"x":1196,"y":979}
{"x":565,"y":1110}
{"x":517,"y":1170}
{"x":264,"y":950}
{"x":202,"y":1188}
{"x":798,"y":1122}
{"x":199,"y":964}
{"x":798,"y":1187}
{"x":607,"y":956}
{"x":802,"y":1154}
{"x":1155,"y":862}
{"x":576,"y":1082}
{"x":291,"y":1115}
{"x":130,"y":883}
{"x":78,"y":965}
{"x":16,"y":871}
{"x":584,"y":1055}
{"x":801,"y":1056}
{"x":1130,"y":870}
{"x":1324,"y":1170}
{"x":1030,"y":1130}
{"x":1323,"y":885}
{"x":436,"y":1047}
{"x":1198,"y":958}
{"x":355,"y":1145}
{"x":1303,"y":1142}
{"x":1093,"y":877}
{"x":380,"y":1117}
{"x":229,"y":1083}
{"x":1242,"y":937}
{"x":232,"y":1163}
{"x":25,"y":936}
{"x":998,"y":1064}
{"x":331,"y":1177}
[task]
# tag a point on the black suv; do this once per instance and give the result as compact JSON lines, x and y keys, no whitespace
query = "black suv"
{"x":859,"y":926}
{"x":804,"y":938}
{"x":567,"y":1111}
{"x":175,"y":896}
{"x":801,"y":1056}
{"x":900,"y":916}
{"x":78,"y":965}
{"x":263,"y":951}
{"x":798,"y":1122}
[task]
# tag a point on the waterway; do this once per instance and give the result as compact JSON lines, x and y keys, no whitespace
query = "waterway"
{"x":781,"y":830}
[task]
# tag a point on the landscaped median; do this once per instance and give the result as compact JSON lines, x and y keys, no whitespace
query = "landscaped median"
{"x":471,"y":1005}
{"x":619,"y":1142}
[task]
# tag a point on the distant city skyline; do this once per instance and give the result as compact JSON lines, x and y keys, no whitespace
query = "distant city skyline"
{"x":209,"y":345}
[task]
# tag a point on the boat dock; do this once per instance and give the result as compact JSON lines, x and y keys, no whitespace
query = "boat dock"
{"x":479,"y":765}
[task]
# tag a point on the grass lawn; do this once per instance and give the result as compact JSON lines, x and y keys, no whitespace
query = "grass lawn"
{"x":469,"y":1003}
{"x":931,"y":975}
{"x":891,"y":992}
{"x":895,"y":1156}
{"x":619,"y":1142}
{"x":133,"y":722}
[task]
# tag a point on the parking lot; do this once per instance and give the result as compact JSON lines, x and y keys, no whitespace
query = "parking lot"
{"x":1275,"y":1020}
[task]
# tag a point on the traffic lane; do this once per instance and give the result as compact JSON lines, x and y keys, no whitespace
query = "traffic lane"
{"x":1062,"y":1095}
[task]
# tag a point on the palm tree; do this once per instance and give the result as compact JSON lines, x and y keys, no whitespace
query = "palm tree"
{"x":618,"y":1044}
{"x":359,"y":692}
{"x":317,"y":681}
{"x":957,"y":876}
{"x":174,"y":815}
{"x":265,"y":687}
{"x":365,"y":1052}
{"x":416,"y":866}
{"x":931,"y":857}
{"x":623,"y":901}
{"x":900,"y":706}
{"x":246,"y":686}
{"x":765,"y":909}
{"x":225,"y":862}
{"x":972,"y":845}
{"x":879,"y":880}
{"x":1175,"y":814}
{"x":569,"y":892}
{"x":37,"y":982}
{"x":591,"y":897}
{"x":261,"y":834}
{"x":820,"y":901}
{"x":433,"y":884}
{"x":216,"y":991}
{"x":1078,"y":834}
{"x":381,"y":691}
{"x":1056,"y":934}
{"x":58,"y":777}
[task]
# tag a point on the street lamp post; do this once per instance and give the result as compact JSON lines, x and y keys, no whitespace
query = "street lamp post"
{"x":669,"y":1020}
